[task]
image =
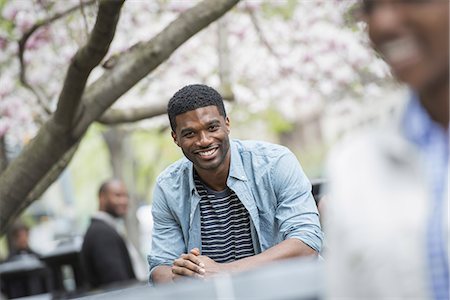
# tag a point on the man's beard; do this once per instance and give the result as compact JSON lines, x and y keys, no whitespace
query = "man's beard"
{"x":110,"y":210}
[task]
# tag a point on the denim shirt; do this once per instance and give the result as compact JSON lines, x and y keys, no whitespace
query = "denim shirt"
{"x":269,"y":181}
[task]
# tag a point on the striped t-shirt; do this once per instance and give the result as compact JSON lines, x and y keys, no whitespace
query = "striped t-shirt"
{"x":225,"y":225}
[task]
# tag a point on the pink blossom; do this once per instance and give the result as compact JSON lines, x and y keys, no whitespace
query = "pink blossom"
{"x":39,"y":38}
{"x":23,"y":21}
{"x":9,"y":12}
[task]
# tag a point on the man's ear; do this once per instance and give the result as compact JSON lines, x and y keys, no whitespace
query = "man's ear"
{"x":174,"y":136}
{"x":227,"y":124}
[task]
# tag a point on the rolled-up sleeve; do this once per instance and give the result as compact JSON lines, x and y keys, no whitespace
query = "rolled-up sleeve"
{"x":296,"y":210}
{"x":167,"y":237}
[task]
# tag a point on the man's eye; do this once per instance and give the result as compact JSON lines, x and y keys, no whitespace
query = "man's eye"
{"x":188,"y":134}
{"x":213,"y":127}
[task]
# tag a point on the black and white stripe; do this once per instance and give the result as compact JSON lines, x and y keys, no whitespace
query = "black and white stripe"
{"x":225,"y":225}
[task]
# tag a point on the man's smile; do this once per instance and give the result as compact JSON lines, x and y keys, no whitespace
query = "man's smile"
{"x":207,"y":153}
{"x":401,"y":53}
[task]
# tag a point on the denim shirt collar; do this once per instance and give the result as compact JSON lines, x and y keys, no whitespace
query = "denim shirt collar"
{"x":236,"y":166}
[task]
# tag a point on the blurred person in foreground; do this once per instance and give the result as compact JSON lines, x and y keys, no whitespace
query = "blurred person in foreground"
{"x":386,"y":218}
{"x":229,"y":205}
{"x":107,"y":255}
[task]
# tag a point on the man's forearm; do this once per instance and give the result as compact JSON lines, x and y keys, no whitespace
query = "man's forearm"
{"x":286,"y":249}
{"x":162,"y":274}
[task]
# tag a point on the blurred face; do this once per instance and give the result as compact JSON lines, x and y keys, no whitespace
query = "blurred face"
{"x":202,"y":135}
{"x":115,"y":199}
{"x":413,"y":37}
{"x":21,"y":240}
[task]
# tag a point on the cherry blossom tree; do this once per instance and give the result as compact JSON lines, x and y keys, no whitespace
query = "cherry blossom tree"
{"x":80,"y":102}
{"x":295,"y":57}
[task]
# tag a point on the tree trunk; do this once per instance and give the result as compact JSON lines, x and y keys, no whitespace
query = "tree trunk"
{"x":3,"y":157}
{"x":122,"y":163}
{"x":224,"y":60}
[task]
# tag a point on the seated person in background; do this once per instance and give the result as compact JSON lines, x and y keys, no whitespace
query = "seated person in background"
{"x":25,"y":275}
{"x":229,"y":205}
{"x":19,"y":235}
{"x":107,"y":255}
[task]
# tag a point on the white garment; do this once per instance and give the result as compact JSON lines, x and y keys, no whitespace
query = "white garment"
{"x":375,"y":219}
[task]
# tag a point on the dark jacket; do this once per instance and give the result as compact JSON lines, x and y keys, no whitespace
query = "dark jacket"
{"x":105,"y":255}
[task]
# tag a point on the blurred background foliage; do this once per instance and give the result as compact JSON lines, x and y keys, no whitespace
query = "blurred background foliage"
{"x":299,"y":73}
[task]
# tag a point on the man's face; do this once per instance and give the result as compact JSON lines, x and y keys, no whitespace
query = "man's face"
{"x":115,"y":199}
{"x":202,"y":135}
{"x":413,"y":37}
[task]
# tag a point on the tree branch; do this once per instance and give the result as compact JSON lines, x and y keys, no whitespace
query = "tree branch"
{"x":22,"y":46}
{"x":116,"y":116}
{"x":226,"y":89}
{"x":260,"y":33}
{"x":36,"y":92}
{"x":3,"y":156}
{"x":26,"y":171}
{"x":135,"y":64}
{"x":83,"y":13}
{"x":85,"y":60}
{"x":46,"y":181}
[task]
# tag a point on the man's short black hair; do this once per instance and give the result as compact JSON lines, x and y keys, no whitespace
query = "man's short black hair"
{"x":192,"y":97}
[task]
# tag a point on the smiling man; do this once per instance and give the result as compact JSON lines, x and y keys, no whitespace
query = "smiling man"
{"x":229,"y":205}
